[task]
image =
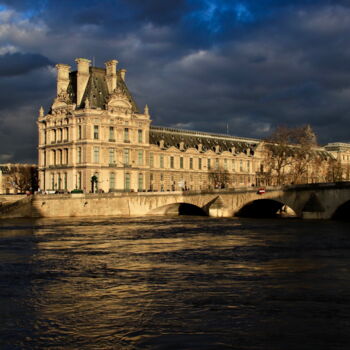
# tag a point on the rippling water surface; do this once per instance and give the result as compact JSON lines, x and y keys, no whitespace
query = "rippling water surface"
{"x":174,"y":283}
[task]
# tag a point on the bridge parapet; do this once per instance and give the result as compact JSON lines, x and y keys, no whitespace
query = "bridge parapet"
{"x":309,"y":201}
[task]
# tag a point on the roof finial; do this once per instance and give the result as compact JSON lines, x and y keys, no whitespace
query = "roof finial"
{"x":146,"y":110}
{"x":41,"y":111}
{"x":87,"y":103}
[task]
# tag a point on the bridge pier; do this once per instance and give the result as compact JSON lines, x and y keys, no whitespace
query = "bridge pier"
{"x":218,"y":209}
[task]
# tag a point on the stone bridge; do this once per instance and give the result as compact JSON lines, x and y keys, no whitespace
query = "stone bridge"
{"x":319,"y":201}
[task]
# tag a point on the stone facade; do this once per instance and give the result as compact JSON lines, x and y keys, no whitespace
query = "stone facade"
{"x":95,"y":138}
{"x":341,"y":152}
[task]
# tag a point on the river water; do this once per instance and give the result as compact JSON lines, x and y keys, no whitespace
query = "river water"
{"x":174,"y":283}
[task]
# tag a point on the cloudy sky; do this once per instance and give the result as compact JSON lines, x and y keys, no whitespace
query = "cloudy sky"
{"x":198,"y":64}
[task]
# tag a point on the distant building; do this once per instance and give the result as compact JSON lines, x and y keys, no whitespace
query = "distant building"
{"x":95,"y":138}
{"x":341,"y":152}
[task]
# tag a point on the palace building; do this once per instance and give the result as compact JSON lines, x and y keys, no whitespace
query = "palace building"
{"x":95,"y":138}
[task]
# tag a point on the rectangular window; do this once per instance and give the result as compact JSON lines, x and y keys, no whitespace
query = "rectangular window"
{"x":233,"y":165}
{"x":248,"y":166}
{"x":241,"y":165}
{"x":79,"y":181}
{"x":209,"y":165}
{"x":199,"y":163}
{"x":126,"y":156}
{"x":66,"y":156}
{"x":96,"y":132}
{"x":151,"y":160}
{"x":126,"y":135}
{"x":140,"y":157}
{"x":127,"y":182}
{"x":65,"y":180}
{"x":79,"y":132}
{"x":79,"y":155}
{"x":191,"y":163}
{"x":111,"y":156}
{"x":172,"y":162}
{"x":66,"y":134}
{"x":111,"y":181}
{"x":181,"y":162}
{"x":139,"y":136}
{"x":140,"y":182}
{"x":96,"y":154}
{"x":225,"y":164}
{"x":161,"y":161}
{"x":111,"y":134}
{"x":216,"y":163}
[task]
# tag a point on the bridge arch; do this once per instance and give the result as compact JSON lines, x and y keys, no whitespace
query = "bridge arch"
{"x":265,"y":208}
{"x":342,"y":212}
{"x":181,"y":208}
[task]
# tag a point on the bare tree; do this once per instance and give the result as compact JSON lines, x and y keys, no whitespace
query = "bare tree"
{"x":334,"y":171}
{"x":23,"y":177}
{"x":219,"y":178}
{"x":288,"y":154}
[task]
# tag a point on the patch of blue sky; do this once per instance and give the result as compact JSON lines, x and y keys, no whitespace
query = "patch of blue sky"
{"x":217,"y":14}
{"x":243,"y":14}
{"x":35,"y":10}
{"x":3,"y":8}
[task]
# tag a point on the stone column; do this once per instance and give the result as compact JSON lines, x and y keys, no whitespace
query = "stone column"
{"x":111,"y":75}
{"x":122,"y":73}
{"x":62,"y":77}
{"x":82,"y":77}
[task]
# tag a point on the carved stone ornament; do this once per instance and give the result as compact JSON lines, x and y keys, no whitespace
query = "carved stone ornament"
{"x":118,"y":102}
{"x":62,"y":100}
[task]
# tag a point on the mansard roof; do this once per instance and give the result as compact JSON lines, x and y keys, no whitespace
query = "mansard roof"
{"x":209,"y":141}
{"x":96,"y":89}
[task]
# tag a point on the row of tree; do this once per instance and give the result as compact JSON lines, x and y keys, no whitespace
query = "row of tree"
{"x":290,"y":156}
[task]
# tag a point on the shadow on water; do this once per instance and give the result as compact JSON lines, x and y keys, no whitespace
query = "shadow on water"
{"x":343,"y":212}
{"x":265,"y":208}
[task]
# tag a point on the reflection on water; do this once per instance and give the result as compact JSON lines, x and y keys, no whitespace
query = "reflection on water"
{"x":174,"y":283}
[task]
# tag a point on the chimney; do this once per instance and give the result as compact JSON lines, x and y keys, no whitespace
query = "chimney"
{"x":62,"y":77}
{"x":111,"y":75}
{"x":82,"y":77}
{"x":122,"y":73}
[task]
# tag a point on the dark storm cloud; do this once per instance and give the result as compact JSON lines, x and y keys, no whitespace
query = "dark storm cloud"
{"x":18,"y":63}
{"x":199,"y":64}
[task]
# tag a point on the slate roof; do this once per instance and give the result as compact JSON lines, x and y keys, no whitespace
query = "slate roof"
{"x":191,"y":139}
{"x":96,"y":89}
